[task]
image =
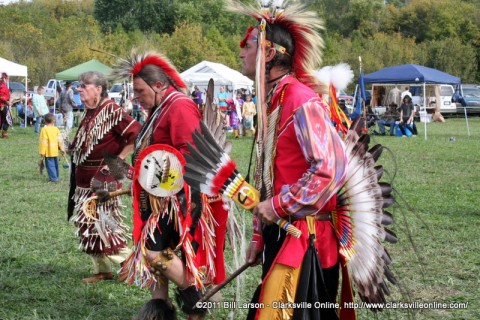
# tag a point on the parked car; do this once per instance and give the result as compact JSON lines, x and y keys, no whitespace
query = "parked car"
{"x":124,"y":99}
{"x":115,"y":92}
{"x":17,"y":91}
{"x":51,"y":88}
{"x":76,"y":97}
{"x":471,"y":94}
{"x":345,"y":97}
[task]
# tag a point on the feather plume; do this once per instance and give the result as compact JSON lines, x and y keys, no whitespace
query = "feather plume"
{"x":340,"y":76}
{"x":127,"y":68}
{"x":303,"y":25}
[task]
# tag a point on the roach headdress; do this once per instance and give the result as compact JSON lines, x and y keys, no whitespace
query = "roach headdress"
{"x":130,"y":67}
{"x":303,"y":26}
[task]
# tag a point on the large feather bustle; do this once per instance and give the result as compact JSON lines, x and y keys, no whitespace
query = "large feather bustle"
{"x":360,"y":218}
{"x":127,"y":68}
{"x":303,"y":25}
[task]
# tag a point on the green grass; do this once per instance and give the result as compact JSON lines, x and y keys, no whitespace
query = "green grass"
{"x":41,"y":266}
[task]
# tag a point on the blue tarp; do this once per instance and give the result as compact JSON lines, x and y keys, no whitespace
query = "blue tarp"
{"x":410,"y":73}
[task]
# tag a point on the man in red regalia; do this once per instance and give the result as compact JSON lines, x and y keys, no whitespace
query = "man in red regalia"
{"x":301,"y":164}
{"x":171,"y":241}
{"x":4,"y":104}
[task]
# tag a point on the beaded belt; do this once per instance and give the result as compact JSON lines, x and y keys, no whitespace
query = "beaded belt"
{"x":92,"y":163}
{"x":321,"y":216}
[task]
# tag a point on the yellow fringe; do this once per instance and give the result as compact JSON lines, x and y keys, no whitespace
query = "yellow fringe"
{"x":280,"y":286}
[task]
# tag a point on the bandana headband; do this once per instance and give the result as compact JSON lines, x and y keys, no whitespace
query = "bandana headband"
{"x":268,"y":43}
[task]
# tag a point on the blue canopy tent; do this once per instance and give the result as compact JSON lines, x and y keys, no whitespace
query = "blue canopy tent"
{"x":411,"y":74}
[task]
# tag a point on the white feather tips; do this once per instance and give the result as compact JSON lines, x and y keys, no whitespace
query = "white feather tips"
{"x":339,"y":75}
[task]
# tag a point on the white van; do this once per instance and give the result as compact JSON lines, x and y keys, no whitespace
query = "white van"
{"x":435,"y":93}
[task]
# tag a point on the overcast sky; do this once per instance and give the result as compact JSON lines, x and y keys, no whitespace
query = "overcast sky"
{"x":8,"y":1}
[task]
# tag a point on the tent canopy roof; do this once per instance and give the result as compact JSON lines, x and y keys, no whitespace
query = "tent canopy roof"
{"x":12,"y":68}
{"x":201,"y":73}
{"x":74,"y":72}
{"x":410,"y":73}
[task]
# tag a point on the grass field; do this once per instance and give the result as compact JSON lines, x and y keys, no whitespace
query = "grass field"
{"x":41,"y":267}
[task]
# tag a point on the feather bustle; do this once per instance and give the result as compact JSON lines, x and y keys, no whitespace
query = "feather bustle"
{"x":361,"y":215}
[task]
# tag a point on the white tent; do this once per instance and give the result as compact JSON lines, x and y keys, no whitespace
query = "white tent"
{"x":12,"y":68}
{"x":200,"y":74}
{"x":15,"y":69}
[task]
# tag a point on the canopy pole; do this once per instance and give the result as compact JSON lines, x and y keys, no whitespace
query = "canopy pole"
{"x":466,"y":120}
{"x":425,"y":108}
{"x":25,"y":108}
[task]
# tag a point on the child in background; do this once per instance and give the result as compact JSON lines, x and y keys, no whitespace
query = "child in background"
{"x":248,"y":111}
{"x":238,"y":109}
{"x":50,"y":143}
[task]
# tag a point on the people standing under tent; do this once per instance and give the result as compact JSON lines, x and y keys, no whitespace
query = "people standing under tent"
{"x":394,"y":96}
{"x":300,"y":181}
{"x":105,"y":127}
{"x":40,"y":108}
{"x":170,"y":241}
{"x":405,"y":93}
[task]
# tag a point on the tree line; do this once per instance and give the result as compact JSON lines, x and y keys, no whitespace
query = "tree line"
{"x":52,"y":35}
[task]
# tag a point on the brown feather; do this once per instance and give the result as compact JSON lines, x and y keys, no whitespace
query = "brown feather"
{"x":387,"y":218}
{"x":118,"y":167}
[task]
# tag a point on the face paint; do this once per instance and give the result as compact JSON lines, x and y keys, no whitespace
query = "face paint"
{"x":248,"y":54}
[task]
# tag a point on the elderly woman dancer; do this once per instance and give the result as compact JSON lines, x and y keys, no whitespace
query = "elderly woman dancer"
{"x":104,"y":127}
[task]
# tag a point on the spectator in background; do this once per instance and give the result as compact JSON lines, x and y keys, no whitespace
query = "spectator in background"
{"x":254,"y":96}
{"x":371,"y":117}
{"x":4,"y":105}
{"x":254,"y":100}
{"x":56,"y":101}
{"x":388,"y":119}
{"x":248,"y":111}
{"x":394,"y":96}
{"x":67,"y":103}
{"x":236,"y":115}
{"x":40,"y":108}
{"x":21,"y":112}
{"x":407,"y":114}
{"x":197,"y":98}
{"x":223,"y":106}
{"x":405,"y":93}
{"x":138,"y":112}
{"x":50,"y":143}
{"x":244,"y":94}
